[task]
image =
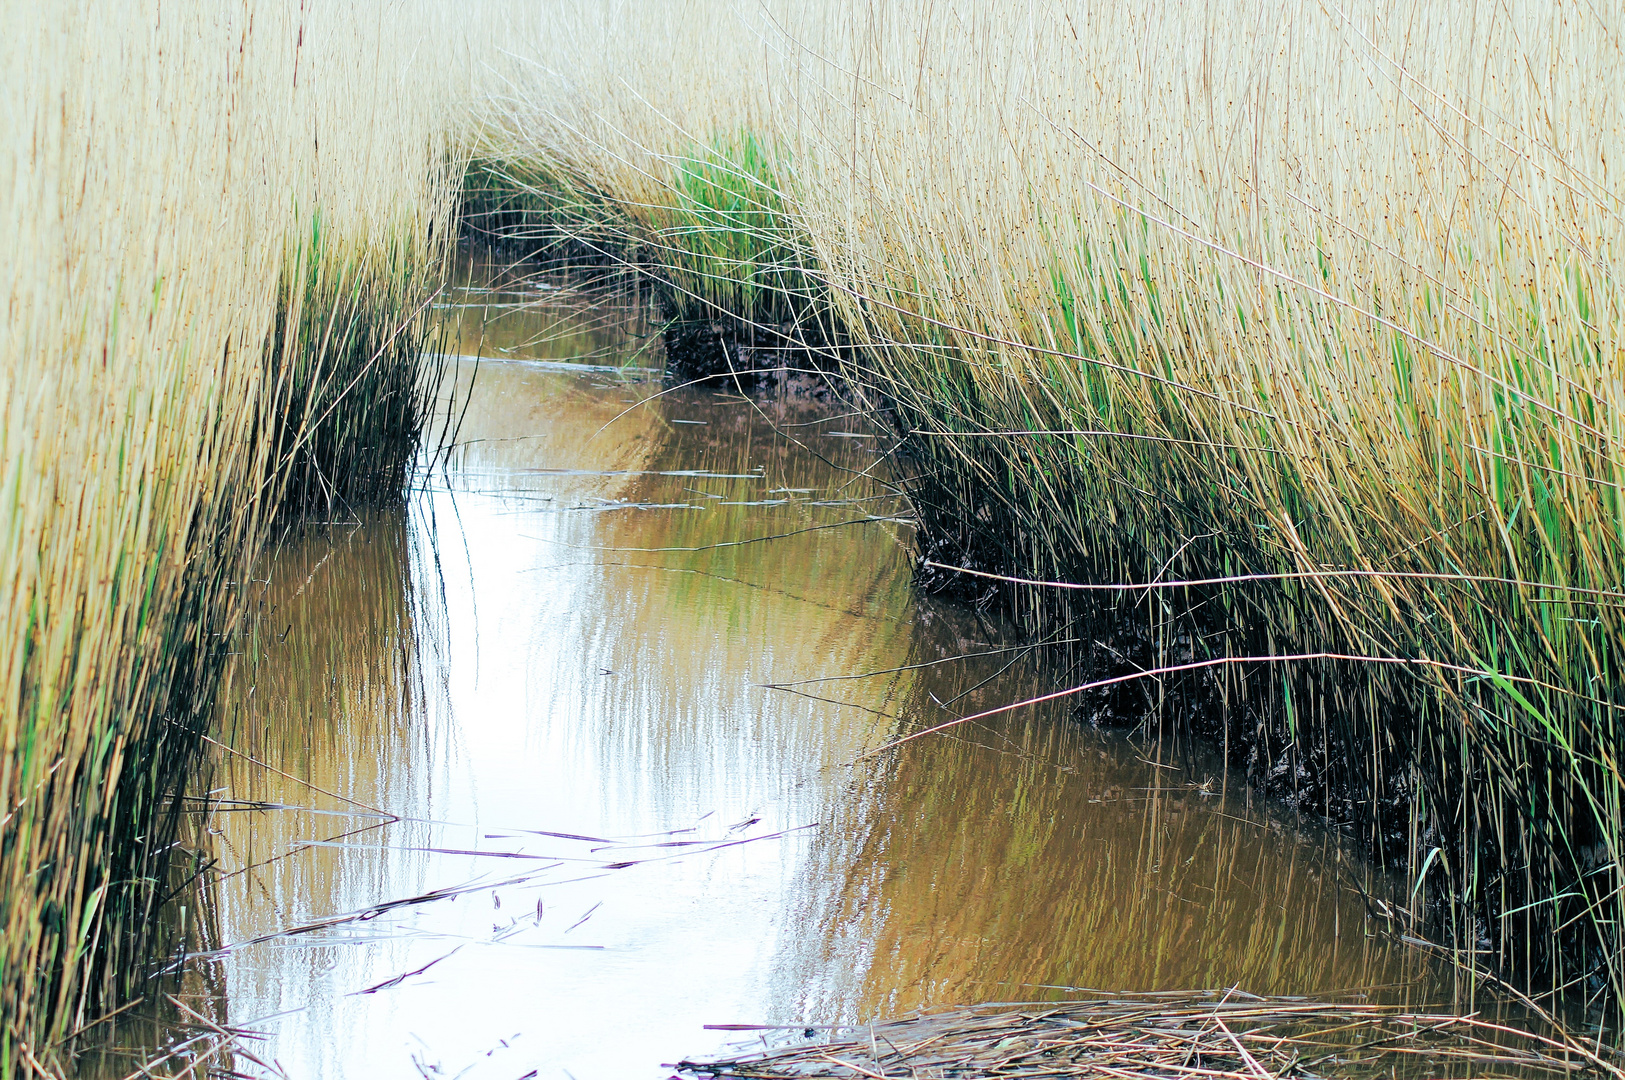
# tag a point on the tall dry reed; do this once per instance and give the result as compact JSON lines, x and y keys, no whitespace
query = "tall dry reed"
{"x":1303,"y":320}
{"x":221,"y":223}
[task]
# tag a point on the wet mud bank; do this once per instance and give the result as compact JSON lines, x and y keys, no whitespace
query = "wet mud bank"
{"x":751,"y":358}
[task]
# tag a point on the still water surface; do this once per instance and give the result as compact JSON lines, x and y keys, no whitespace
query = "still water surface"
{"x":572,"y":759}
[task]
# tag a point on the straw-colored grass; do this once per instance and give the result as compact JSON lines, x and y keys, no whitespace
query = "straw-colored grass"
{"x":1221,"y":1036}
{"x":220,"y":223}
{"x":1315,"y":306}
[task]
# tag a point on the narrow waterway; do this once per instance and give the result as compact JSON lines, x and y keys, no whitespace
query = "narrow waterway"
{"x":572,"y":757}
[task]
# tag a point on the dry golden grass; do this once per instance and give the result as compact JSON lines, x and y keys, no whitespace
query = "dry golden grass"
{"x":1166,"y":1036}
{"x":219,"y":221}
{"x":1317,"y":300}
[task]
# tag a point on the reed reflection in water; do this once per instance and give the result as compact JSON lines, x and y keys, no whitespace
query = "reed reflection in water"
{"x":621,"y":731}
{"x":1021,"y":855}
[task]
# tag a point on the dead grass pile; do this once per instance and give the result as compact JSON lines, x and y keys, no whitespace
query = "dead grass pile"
{"x":1168,"y":1037}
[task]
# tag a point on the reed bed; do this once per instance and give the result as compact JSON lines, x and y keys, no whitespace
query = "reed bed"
{"x":223,"y":223}
{"x":1280,"y":344}
{"x":1166,"y":1037}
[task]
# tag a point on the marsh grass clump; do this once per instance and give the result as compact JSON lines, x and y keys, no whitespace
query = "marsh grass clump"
{"x":344,"y":364}
{"x":1280,"y":346}
{"x":717,"y":232}
{"x":726,"y":242}
{"x":183,"y":360}
{"x":540,"y":210}
{"x":717,"y":239}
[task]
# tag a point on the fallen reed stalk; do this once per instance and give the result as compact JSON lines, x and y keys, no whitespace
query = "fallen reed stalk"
{"x":1310,"y":311}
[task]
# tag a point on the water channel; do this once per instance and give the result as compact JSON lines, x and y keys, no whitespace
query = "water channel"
{"x":573,"y":756}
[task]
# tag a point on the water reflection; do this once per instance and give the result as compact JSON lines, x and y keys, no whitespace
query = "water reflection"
{"x":1026,"y":856}
{"x":323,"y":713}
{"x":578,"y":744}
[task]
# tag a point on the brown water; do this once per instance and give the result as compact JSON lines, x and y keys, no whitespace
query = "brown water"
{"x":625,"y":740}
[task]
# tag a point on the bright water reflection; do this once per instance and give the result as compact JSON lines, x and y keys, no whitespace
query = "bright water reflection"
{"x":553,"y":667}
